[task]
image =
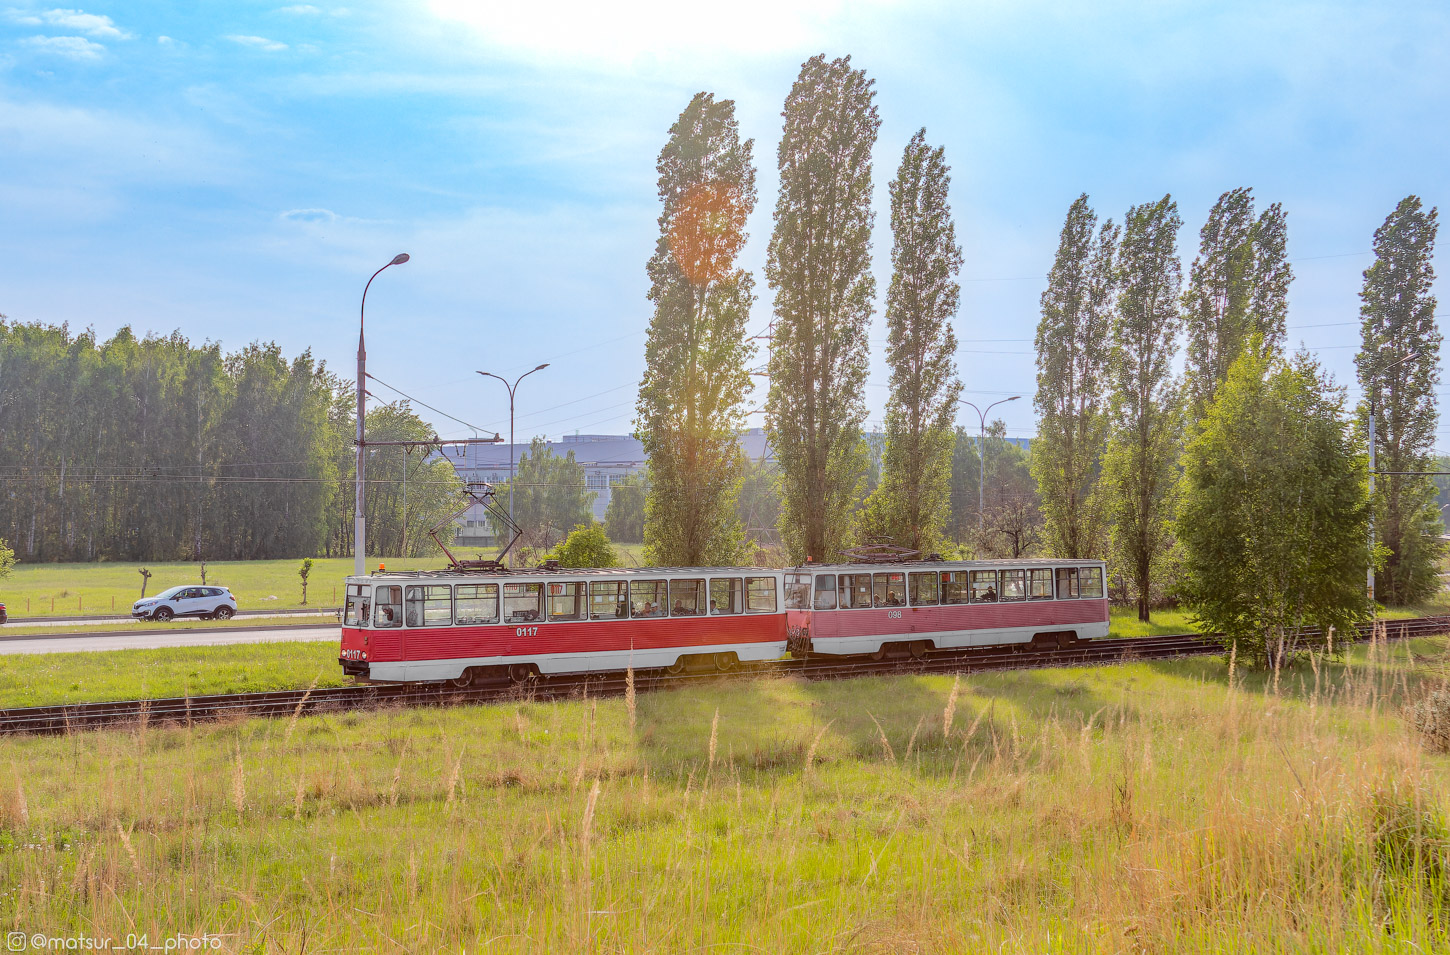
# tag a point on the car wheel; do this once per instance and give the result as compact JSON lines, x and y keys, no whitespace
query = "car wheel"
{"x":223,"y":613}
{"x":163,"y":614}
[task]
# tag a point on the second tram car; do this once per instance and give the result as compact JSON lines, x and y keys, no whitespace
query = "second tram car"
{"x":470,"y":626}
{"x":916,"y":606}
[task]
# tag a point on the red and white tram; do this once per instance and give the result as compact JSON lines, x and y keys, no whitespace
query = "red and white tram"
{"x":466,"y":626}
{"x":917,"y":606}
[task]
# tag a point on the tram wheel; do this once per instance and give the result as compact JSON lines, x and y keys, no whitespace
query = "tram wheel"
{"x":466,"y":679}
{"x":725,"y":661}
{"x":678,"y":667}
{"x":520,"y":672}
{"x":917,"y":649}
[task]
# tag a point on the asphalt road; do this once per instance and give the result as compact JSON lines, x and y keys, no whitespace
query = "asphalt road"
{"x":83,"y":642}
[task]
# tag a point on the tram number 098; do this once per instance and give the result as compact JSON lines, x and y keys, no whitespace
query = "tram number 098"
{"x":894,"y":614}
{"x":526,"y":631}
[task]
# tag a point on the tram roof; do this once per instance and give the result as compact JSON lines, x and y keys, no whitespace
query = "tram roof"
{"x":858,"y":567}
{"x":867,"y":566}
{"x":481,"y":574}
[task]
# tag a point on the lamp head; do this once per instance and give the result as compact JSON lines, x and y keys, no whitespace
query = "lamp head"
{"x":399,"y":259}
{"x":542,"y":367}
{"x":1014,"y":397}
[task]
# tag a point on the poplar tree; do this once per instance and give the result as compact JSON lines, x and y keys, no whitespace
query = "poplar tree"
{"x":910,"y":504}
{"x":1238,"y":288}
{"x":1398,"y":321}
{"x":819,"y":265}
{"x":689,"y":407}
{"x":1139,"y":467}
{"x":1073,"y":344}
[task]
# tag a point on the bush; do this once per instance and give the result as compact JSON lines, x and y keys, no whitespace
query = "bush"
{"x":1431,"y":716}
{"x":586,"y":546}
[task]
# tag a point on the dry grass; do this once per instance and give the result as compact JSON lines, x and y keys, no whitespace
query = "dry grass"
{"x":1152,"y":807}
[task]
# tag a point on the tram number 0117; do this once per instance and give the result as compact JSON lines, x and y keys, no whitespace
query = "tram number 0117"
{"x":526,"y":631}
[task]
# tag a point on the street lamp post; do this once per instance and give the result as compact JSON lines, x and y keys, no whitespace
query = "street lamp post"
{"x":1373,"y":390}
{"x":982,"y":455}
{"x":511,"y":389}
{"x":359,"y":522}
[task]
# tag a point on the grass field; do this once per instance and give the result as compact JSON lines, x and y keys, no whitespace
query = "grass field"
{"x":1153,"y":808}
{"x":44,"y":679}
{"x":62,"y":590}
{"x":178,"y":623}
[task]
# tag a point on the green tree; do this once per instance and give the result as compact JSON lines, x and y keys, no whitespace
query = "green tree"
{"x":7,"y":559}
{"x":911,"y":504}
{"x":1273,"y":511}
{"x":1238,"y":288}
{"x":1139,"y":469}
{"x":1398,"y":321}
{"x":624,"y":517}
{"x":690,"y":400}
{"x":1072,"y":368}
{"x":549,"y":496}
{"x":304,"y":571}
{"x":586,"y":546}
{"x":819,"y":265}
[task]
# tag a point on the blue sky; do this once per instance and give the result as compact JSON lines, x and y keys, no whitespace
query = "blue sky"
{"x":237,"y":170}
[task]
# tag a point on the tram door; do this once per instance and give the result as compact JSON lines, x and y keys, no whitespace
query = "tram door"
{"x":824,"y":623}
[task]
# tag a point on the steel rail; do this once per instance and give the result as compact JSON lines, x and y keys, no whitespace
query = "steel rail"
{"x":67,"y":718}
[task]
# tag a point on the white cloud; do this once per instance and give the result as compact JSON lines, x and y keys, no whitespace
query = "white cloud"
{"x":258,"y":42}
{"x":653,"y":29}
{"x":91,"y":24}
{"x":301,"y":10}
{"x":165,"y":40}
{"x":309,"y":215}
{"x":74,"y":47}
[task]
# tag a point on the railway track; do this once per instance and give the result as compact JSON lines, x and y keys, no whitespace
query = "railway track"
{"x":284,"y":703}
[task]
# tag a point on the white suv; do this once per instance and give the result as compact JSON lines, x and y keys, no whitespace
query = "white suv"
{"x":204,"y":602}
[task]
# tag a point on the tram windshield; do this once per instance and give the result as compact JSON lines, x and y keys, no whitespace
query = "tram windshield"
{"x":358,"y":609}
{"x":797,"y":591}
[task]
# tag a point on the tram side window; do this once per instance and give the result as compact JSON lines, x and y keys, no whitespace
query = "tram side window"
{"x":984,"y":586}
{"x":429,"y":605}
{"x":726,"y":596}
{"x":359,"y":606}
{"x":760,"y":595}
{"x":608,"y":600}
{"x":1014,"y":585}
{"x":1039,"y":584}
{"x":477,"y":604}
{"x":923,"y":590}
{"x":889,"y":590}
{"x":954,"y":587}
{"x":1090,"y":581}
{"x":521,"y":602}
{"x":647,"y":598}
{"x":825,"y":592}
{"x":1066,"y":583}
{"x":389,"y":612}
{"x":687,"y":597}
{"x":566,"y":600}
{"x":855,"y":590}
{"x":797,"y":591}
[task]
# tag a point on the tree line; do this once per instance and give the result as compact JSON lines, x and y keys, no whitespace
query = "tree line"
{"x":157,"y":449}
{"x":1123,"y":459}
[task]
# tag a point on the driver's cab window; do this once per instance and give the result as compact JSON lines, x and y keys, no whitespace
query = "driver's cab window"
{"x":389,"y":611}
{"x":355,"y":612}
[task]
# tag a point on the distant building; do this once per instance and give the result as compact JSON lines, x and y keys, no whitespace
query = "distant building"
{"x":607,"y":459}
